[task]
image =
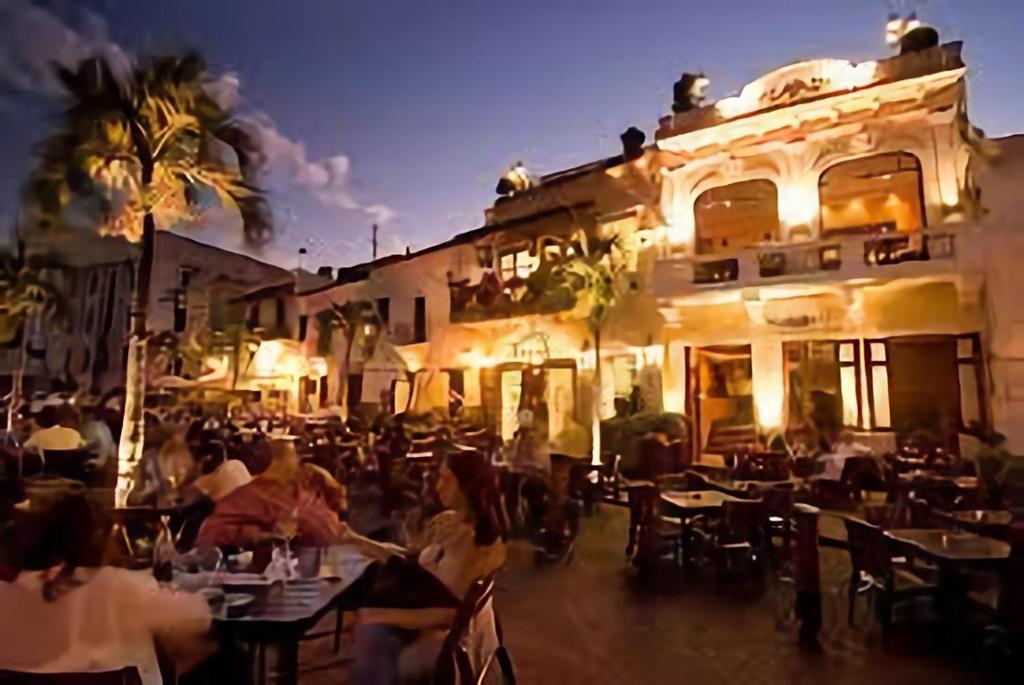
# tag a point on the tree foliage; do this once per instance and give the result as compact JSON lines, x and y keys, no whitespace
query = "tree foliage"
{"x":150,"y":141}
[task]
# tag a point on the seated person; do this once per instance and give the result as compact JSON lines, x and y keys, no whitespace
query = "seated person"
{"x":97,"y":436}
{"x":844,"y":448}
{"x":78,"y":615}
{"x":289,"y":499}
{"x":51,"y":435}
{"x":220,"y":476}
{"x":459,"y":546}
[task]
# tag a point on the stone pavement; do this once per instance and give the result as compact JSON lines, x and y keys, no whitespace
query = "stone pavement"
{"x":590,"y":621}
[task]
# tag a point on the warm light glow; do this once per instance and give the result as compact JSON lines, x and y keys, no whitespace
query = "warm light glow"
{"x":798,"y":204}
{"x":848,"y":390}
{"x":317,"y":367}
{"x":880,"y":391}
{"x":265,"y":361}
{"x":818,"y":77}
{"x":766,"y":366}
{"x":681,"y":228}
{"x":511,"y":391}
{"x":673,"y":378}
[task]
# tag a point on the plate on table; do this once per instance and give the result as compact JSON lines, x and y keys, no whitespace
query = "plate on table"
{"x":238,"y":604}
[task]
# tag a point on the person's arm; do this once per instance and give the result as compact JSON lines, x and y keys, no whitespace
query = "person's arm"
{"x":379,"y":551}
{"x":182,"y":626}
{"x":410,"y":619}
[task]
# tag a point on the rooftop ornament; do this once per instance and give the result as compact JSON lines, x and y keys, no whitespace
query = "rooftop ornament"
{"x":516,"y":180}
{"x":688,"y":92}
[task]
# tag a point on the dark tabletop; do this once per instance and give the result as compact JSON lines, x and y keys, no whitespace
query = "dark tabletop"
{"x":697,"y":500}
{"x":951,"y":546}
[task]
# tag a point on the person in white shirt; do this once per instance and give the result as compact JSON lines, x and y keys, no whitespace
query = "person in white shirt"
{"x":844,"y":448}
{"x":74,"y":615}
{"x":51,"y":435}
{"x":97,"y":436}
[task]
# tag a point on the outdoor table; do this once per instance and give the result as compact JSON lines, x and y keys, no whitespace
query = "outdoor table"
{"x":291,"y":610}
{"x":952,"y":551}
{"x":951,"y":547}
{"x":983,"y":517}
{"x":692,"y":502}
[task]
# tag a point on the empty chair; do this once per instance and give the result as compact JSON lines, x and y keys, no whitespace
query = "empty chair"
{"x":874,"y":571}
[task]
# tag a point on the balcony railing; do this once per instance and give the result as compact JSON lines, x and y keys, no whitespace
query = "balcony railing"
{"x":843,"y":258}
{"x":491,"y":299}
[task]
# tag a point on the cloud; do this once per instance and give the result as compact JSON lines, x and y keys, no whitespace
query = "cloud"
{"x":328,"y":180}
{"x":32,"y":38}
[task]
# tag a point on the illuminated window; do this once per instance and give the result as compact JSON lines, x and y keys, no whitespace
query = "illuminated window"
{"x":737,"y":215}
{"x":519,"y":263}
{"x":876,"y":194}
{"x":878,"y":384}
{"x":821,"y":378}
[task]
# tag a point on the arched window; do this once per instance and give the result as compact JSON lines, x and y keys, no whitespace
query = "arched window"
{"x":737,"y":215}
{"x":877,"y":194}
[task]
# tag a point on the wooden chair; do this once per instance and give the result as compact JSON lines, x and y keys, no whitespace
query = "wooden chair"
{"x":461,"y":661}
{"x":831,"y":494}
{"x":127,"y":676}
{"x":863,"y":474}
{"x":779,"y":525}
{"x":657,"y":458}
{"x":874,"y":571}
{"x":739,"y":538}
{"x":762,"y":466}
{"x":71,"y":464}
{"x":650,"y":534}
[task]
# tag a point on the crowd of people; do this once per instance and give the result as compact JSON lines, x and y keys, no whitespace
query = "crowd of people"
{"x":235,"y":482}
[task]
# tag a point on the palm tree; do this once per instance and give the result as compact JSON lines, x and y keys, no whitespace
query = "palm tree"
{"x":591,"y":274}
{"x":137,"y":152}
{"x":27,"y":302}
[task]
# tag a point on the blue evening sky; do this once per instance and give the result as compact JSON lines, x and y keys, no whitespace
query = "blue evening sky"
{"x":432,"y":99}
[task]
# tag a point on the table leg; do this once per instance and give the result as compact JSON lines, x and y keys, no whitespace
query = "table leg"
{"x":288,"y":662}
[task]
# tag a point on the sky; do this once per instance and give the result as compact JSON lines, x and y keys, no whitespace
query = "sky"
{"x":406,"y":112}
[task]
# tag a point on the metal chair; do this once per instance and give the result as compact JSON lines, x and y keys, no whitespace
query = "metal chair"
{"x":874,"y":571}
{"x":458,"y":663}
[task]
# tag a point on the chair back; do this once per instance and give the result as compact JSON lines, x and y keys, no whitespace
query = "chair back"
{"x":743,"y":521}
{"x":466,"y":657}
{"x":863,"y":473}
{"x":127,"y":676}
{"x":804,"y":467}
{"x":868,"y":549}
{"x":67,"y":463}
{"x":656,"y":457}
{"x":923,"y":515}
{"x":778,"y":502}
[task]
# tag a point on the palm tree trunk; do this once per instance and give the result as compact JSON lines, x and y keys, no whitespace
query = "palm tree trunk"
{"x":130,"y":447}
{"x":346,"y":362}
{"x":598,"y":397}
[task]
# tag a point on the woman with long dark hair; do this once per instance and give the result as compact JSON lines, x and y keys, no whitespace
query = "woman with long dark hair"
{"x":399,"y":637}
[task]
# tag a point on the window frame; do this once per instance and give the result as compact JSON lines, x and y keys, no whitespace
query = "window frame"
{"x":977,"y":361}
{"x":776,"y":232}
{"x":855,"y":365}
{"x":869,"y":365}
{"x":419,"y":319}
{"x":839,"y":232}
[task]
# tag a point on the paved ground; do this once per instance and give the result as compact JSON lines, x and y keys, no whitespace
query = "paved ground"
{"x":589,"y":622}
